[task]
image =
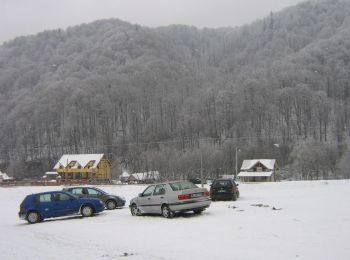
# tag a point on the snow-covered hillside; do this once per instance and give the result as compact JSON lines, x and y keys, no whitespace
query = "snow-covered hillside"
{"x":312,"y":222}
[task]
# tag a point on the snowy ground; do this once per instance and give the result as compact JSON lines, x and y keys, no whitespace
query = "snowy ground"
{"x":313,"y":223}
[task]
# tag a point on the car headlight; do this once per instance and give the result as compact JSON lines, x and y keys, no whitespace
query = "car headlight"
{"x":101,"y":202}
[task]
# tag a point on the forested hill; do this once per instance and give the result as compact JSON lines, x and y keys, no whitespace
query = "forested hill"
{"x":158,"y":98}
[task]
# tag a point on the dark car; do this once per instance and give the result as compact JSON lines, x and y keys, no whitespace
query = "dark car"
{"x":111,"y":201}
{"x":224,"y":189}
{"x":37,"y":207}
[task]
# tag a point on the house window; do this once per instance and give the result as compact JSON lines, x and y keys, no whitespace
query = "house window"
{"x":71,"y":164}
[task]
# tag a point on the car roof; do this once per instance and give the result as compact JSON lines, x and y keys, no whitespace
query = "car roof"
{"x":168,"y":182}
{"x":48,"y":192}
{"x":74,"y":187}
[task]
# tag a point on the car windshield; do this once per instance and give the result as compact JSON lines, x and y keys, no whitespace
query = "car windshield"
{"x":185,"y":185}
{"x":221,"y":184}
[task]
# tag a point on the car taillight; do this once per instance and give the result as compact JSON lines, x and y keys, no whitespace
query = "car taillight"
{"x":183,"y":197}
{"x":232,"y":189}
{"x":206,"y":193}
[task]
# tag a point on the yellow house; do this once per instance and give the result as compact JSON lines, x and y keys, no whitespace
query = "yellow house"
{"x":84,"y":167}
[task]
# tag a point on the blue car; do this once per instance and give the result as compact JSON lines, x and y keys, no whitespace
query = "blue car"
{"x":37,"y":207}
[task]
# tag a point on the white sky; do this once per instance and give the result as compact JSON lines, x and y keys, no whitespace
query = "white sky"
{"x":23,"y":17}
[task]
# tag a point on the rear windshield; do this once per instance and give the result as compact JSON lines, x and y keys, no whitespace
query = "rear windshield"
{"x":222,"y":184}
{"x":185,"y":185}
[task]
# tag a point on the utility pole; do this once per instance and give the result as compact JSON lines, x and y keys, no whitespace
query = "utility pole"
{"x":202,"y":182}
{"x":236,"y":161}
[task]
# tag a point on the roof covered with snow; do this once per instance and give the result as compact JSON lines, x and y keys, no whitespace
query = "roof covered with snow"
{"x":142,"y":176}
{"x":268,"y":163}
{"x":81,"y":159}
{"x":255,"y":174}
{"x":4,"y":176}
{"x":124,"y":175}
{"x":51,"y":173}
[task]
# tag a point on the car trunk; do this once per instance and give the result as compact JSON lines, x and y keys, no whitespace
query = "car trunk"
{"x":195,"y":192}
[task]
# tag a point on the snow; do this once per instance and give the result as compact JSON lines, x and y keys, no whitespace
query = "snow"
{"x":142,"y":176}
{"x":312,"y":222}
{"x":4,"y":176}
{"x":81,"y":159}
{"x":268,"y":163}
{"x":125,"y":175}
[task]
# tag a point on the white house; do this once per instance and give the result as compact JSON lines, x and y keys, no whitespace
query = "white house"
{"x":258,"y":170}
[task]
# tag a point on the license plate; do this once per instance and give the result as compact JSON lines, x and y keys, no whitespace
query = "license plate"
{"x":196,"y":195}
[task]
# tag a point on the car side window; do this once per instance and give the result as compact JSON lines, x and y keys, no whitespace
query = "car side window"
{"x":159,"y":190}
{"x":63,"y":197}
{"x":78,"y":191}
{"x":93,"y":192}
{"x":148,"y":191}
{"x":45,"y":198}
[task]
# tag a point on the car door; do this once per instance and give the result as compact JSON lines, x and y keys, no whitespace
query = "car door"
{"x":145,"y":199}
{"x":158,"y":198}
{"x":63,"y":204}
{"x":45,"y":205}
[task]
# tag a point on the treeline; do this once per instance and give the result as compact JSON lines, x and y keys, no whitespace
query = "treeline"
{"x":165,"y":98}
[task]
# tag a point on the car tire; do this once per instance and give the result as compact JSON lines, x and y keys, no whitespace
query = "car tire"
{"x":234,"y":197}
{"x":87,"y":211}
{"x":198,"y":211}
{"x":167,"y":212}
{"x":134,"y":210}
{"x":111,"y":204}
{"x":33,"y":217}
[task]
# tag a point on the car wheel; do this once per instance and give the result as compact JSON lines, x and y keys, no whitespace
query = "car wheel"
{"x":167,"y":212}
{"x":87,"y":211}
{"x":198,"y":211}
{"x":111,"y":204}
{"x":33,"y":217}
{"x":134,"y":210}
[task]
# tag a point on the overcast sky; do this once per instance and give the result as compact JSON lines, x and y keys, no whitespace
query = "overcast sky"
{"x":23,"y":17}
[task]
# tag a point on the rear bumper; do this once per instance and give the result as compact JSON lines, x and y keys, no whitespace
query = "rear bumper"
{"x":190,"y":205}
{"x":222,"y":196}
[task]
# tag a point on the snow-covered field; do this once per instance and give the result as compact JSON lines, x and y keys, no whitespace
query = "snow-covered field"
{"x":313,"y":223}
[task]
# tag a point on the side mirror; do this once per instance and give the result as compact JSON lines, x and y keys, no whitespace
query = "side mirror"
{"x":140,"y":194}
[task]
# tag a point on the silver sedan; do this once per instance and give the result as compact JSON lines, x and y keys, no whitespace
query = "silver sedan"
{"x":169,"y":198}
